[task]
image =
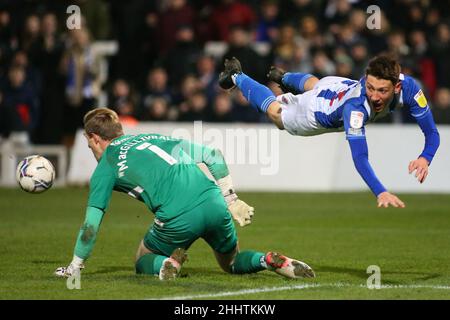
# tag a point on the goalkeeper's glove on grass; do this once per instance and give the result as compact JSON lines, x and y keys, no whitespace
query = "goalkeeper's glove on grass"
{"x":74,"y":268}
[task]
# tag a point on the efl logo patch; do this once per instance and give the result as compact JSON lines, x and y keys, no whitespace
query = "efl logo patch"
{"x":356,"y":119}
{"x":420,"y":99}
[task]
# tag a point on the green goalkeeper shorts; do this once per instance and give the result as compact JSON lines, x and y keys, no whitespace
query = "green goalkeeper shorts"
{"x":211,"y":221}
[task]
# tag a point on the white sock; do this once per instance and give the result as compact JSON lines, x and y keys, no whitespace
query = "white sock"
{"x":233,"y":78}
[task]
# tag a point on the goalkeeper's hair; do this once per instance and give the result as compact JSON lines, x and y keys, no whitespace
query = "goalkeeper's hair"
{"x":104,"y":122}
{"x":384,"y":67}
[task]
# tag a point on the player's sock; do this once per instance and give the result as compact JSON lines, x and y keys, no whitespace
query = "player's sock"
{"x":295,"y":82}
{"x":150,"y":263}
{"x":249,"y":262}
{"x":259,"y":96}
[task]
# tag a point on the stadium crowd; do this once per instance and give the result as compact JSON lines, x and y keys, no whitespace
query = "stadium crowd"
{"x":167,"y":63}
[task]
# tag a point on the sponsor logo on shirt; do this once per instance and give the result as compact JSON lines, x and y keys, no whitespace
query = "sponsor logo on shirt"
{"x":420,"y":99}
{"x":356,"y":119}
{"x":355,"y":132}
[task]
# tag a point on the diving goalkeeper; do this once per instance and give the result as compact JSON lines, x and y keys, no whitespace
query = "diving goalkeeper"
{"x":162,"y":172}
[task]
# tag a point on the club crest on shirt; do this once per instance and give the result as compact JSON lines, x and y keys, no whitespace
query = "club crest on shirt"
{"x":420,"y":99}
{"x":356,"y":119}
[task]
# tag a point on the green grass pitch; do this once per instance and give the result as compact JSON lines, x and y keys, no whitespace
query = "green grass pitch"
{"x":338,"y":235}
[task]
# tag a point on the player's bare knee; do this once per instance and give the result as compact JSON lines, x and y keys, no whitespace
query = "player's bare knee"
{"x":226,"y":260}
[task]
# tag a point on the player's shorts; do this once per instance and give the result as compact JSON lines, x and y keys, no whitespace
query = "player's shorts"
{"x":297,"y":111}
{"x":211,"y":221}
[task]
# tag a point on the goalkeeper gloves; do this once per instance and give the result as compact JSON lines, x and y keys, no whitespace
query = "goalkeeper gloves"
{"x":240,"y":211}
{"x":74,"y":268}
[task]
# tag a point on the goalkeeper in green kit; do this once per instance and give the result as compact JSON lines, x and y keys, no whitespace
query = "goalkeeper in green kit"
{"x":163,"y":173}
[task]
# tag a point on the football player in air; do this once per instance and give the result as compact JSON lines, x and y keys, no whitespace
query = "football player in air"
{"x":313,"y":106}
{"x":162,"y":172}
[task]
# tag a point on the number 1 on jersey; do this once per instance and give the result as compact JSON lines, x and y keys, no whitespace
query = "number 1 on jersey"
{"x":158,"y":151}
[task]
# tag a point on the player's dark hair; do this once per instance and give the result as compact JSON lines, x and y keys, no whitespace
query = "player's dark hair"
{"x":103,"y":122}
{"x":384,"y":67}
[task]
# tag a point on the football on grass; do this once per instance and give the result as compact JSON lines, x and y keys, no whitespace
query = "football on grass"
{"x":35,"y":174}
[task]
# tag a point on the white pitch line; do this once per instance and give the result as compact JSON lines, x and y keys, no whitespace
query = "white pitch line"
{"x":296,"y":287}
{"x":240,"y":292}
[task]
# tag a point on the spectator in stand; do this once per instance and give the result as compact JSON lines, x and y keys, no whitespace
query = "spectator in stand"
{"x":337,"y":13}
{"x":291,"y":53}
{"x":46,"y":57}
{"x":440,"y":48}
{"x":441,"y":106}
{"x":227,"y":14}
{"x":7,"y":37}
{"x":360,"y":58}
{"x":156,"y":87}
{"x":416,"y":32}
{"x":32,"y":75}
{"x":182,"y":58}
{"x":80,"y":66}
{"x":196,"y":107}
{"x":285,"y":47}
{"x":295,"y":10}
{"x":419,"y":43}
{"x":222,"y":108}
{"x":176,"y":13}
{"x":268,"y":22}
{"x":31,"y":32}
{"x":347,"y":37}
{"x":158,"y":110}
{"x":421,"y":54}
{"x":128,"y":29}
{"x":376,"y":38}
{"x":122,"y":96}
{"x":310,"y":34}
{"x":19,"y":106}
{"x":432,"y":20}
{"x":396,"y":44}
{"x":189,"y":85}
{"x":125,"y":109}
{"x":239,"y":46}
{"x":322,"y":65}
{"x":358,"y":21}
{"x":416,"y":18}
{"x":208,"y":77}
{"x":344,"y":65}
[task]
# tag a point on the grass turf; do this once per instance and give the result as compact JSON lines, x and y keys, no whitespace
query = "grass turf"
{"x":338,"y":235}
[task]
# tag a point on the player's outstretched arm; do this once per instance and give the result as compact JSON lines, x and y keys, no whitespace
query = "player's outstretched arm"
{"x":414,"y":98}
{"x":85,"y":242}
{"x":432,"y":141}
{"x":361,"y":160}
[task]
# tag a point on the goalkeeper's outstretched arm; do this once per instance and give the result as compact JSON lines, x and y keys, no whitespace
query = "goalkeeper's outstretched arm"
{"x":85,"y":242}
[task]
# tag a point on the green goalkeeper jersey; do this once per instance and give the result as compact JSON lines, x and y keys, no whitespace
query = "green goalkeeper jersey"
{"x":159,"y":170}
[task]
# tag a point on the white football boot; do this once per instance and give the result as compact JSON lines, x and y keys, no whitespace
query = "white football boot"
{"x":288,"y":267}
{"x":171,"y":266}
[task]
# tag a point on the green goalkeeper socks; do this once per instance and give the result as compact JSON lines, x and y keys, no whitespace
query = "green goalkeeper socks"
{"x":149,"y":263}
{"x":249,"y":262}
